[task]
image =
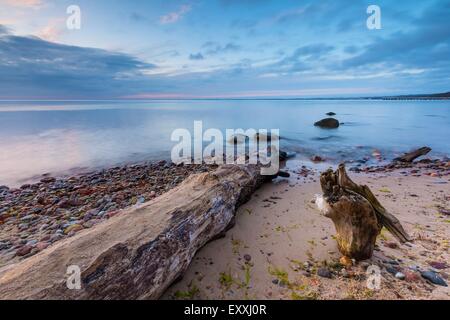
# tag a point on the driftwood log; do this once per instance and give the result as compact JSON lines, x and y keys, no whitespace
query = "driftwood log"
{"x":411,"y":156}
{"x":356,"y":213}
{"x":139,"y":253}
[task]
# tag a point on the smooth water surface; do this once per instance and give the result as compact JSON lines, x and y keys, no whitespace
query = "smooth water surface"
{"x":60,"y":137}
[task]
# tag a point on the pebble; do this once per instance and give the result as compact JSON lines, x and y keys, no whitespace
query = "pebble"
{"x":438,"y":265}
{"x":391,"y":270}
{"x":42,"y":245}
{"x":434,"y":278}
{"x":324,"y":273}
{"x":247,"y":257}
{"x":392,"y":245}
{"x":23,"y":251}
{"x":411,"y":276}
{"x":400,"y":276}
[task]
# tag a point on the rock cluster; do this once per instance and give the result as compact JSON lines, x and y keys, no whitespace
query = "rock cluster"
{"x":35,"y":216}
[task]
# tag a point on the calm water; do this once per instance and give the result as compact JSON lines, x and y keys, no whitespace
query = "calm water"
{"x":55,"y":137}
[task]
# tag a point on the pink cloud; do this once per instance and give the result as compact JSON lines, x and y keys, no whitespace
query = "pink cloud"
{"x":173,"y":17}
{"x":260,"y":94}
{"x":23,"y":3}
{"x":52,"y":31}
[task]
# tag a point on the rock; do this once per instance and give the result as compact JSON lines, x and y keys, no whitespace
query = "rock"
{"x":73,"y":228}
{"x":331,"y":114}
{"x":91,"y":223}
{"x":344,"y":273}
{"x":392,"y":245}
{"x":364,"y":265}
{"x":23,"y":251}
{"x":283,"y":174}
{"x":45,"y":238}
{"x":444,"y":211}
{"x":56,"y":237}
{"x":391,"y":270}
{"x":31,"y":243}
{"x":141,"y":200}
{"x":327,"y":123}
{"x":434,"y":278}
{"x":438,"y":265}
{"x":48,"y":180}
{"x":317,"y":159}
{"x":247,"y":257}
{"x":29,"y":218}
{"x":306,"y":274}
{"x":64,"y":203}
{"x":324,"y":273}
{"x":411,"y":276}
{"x":400,"y":276}
{"x":42,"y":245}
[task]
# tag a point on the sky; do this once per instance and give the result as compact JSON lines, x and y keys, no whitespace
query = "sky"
{"x":145,"y":49}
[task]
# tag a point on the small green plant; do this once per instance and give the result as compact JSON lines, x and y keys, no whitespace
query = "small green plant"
{"x":310,"y":295}
{"x":280,"y":274}
{"x":190,"y":294}
{"x":236,"y":245}
{"x":247,"y":275}
{"x":226,"y":279}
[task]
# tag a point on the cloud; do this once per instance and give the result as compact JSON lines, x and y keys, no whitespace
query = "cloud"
{"x":196,"y":56}
{"x":427,"y":45}
{"x":30,"y":66}
{"x":23,"y":3}
{"x":173,"y":17}
{"x":53,"y":30}
{"x":4,"y":30}
{"x":214,"y":48}
{"x":303,"y":58}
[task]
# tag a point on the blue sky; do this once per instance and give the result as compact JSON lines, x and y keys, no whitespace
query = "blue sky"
{"x":222,"y":49}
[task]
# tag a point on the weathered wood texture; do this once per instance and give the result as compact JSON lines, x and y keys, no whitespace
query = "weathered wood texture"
{"x":411,"y":156}
{"x":357,"y":214}
{"x":139,"y":253}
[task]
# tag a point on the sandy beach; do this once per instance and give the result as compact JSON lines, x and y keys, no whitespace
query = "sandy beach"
{"x":282,"y":247}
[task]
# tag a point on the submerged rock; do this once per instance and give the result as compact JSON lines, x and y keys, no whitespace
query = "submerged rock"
{"x":327,"y":123}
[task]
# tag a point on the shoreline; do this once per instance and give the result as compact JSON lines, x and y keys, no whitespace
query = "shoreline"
{"x":36,"y":216}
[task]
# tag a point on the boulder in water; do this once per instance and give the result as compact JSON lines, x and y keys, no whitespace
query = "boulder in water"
{"x":327,"y":123}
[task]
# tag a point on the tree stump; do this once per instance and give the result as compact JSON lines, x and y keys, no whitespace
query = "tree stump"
{"x":356,"y":214}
